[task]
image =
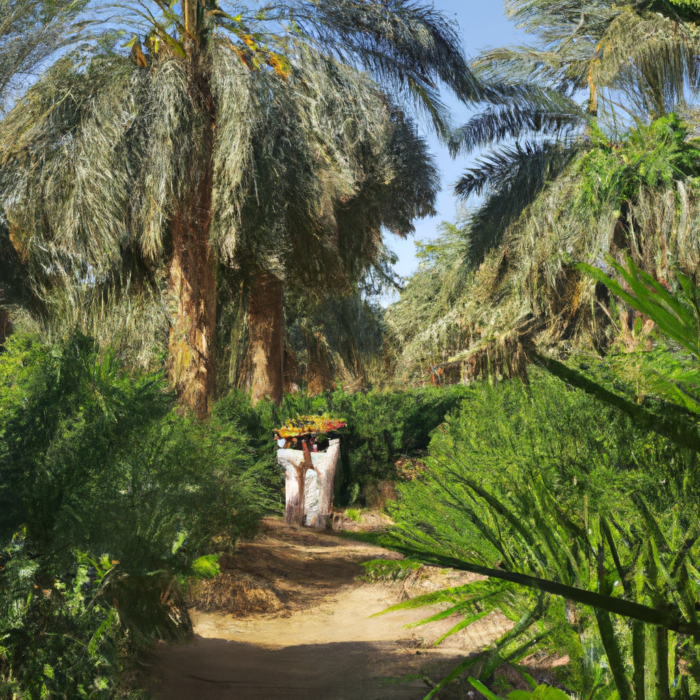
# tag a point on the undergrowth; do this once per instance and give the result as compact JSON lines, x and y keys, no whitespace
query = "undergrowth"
{"x":108,"y":494}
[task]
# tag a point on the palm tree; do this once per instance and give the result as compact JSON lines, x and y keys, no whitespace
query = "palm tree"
{"x":633,"y":62}
{"x":340,"y":338}
{"x":316,"y":237}
{"x":31,"y":32}
{"x":642,"y":55}
{"x":152,"y":159}
{"x":549,"y":184}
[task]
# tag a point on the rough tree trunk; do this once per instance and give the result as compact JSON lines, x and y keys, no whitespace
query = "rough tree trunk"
{"x":262,"y":374}
{"x":192,"y":280}
{"x":5,"y":327}
{"x":319,"y":371}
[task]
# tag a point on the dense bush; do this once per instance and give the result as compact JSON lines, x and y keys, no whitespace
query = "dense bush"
{"x":382,"y":427}
{"x":107,"y":493}
{"x":544,"y":480}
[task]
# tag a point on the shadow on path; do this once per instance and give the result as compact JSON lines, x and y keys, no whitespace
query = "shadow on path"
{"x":213,"y":669}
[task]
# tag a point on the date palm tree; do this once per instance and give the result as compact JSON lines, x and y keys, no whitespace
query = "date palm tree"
{"x":632,"y":62}
{"x":318,"y":230}
{"x":150,"y":160}
{"x":590,"y":98}
{"x":31,"y":32}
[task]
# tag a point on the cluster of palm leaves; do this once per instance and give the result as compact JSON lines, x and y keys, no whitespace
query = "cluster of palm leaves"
{"x":583,"y":161}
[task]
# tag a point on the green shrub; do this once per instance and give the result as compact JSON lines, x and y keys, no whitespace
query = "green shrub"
{"x":544,"y":480}
{"x":101,"y":477}
{"x":59,"y":636}
{"x":236,"y":412}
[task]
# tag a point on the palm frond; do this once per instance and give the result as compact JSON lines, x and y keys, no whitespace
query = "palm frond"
{"x":412,"y":47}
{"x":31,"y":33}
{"x":651,"y":59}
{"x":501,"y":122}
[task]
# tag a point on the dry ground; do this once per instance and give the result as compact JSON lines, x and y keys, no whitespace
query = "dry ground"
{"x":288,"y":619}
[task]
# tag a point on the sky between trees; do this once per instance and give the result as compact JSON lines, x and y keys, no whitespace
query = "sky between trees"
{"x":482,"y":23}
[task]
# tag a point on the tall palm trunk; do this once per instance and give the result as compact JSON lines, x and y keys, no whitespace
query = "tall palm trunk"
{"x":5,"y":328}
{"x":319,"y":372}
{"x":263,"y":367}
{"x":192,"y":274}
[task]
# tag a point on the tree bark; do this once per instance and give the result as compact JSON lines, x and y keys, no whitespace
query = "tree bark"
{"x":319,"y":373}
{"x":5,"y":327}
{"x":192,"y":279}
{"x":262,"y":375}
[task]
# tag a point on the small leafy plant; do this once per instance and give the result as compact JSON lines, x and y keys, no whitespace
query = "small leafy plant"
{"x":540,"y":692}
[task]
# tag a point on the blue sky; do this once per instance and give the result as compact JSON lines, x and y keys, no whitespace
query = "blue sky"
{"x":482,"y":24}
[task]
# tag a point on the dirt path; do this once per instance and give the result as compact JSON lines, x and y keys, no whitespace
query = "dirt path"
{"x":288,"y":619}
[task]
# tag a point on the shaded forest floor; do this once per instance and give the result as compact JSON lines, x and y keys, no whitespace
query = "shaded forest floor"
{"x":289,"y":618}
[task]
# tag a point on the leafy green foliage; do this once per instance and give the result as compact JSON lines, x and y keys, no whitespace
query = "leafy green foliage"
{"x":546,"y":481}
{"x":676,"y":316}
{"x":541,"y":692}
{"x":107,"y":496}
{"x":653,"y":156}
{"x":340,"y":339}
{"x":235,"y":413}
{"x":354,"y":514}
{"x":206,"y":566}
{"x":59,"y":634}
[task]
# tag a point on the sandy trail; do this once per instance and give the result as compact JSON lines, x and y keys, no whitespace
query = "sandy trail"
{"x":299,"y":626}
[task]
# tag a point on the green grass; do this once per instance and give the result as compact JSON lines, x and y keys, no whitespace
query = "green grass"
{"x":355,"y":514}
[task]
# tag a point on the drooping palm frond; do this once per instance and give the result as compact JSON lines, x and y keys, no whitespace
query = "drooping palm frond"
{"x":403,"y":44}
{"x":650,"y":59}
{"x":532,"y":126}
{"x":645,"y":56}
{"x":31,"y":32}
{"x":527,"y":292}
{"x":423,"y":324}
{"x":559,"y":119}
{"x":75,"y":138}
{"x":330,"y":164}
{"x":337,"y":342}
{"x":408,"y":48}
{"x":511,"y":177}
